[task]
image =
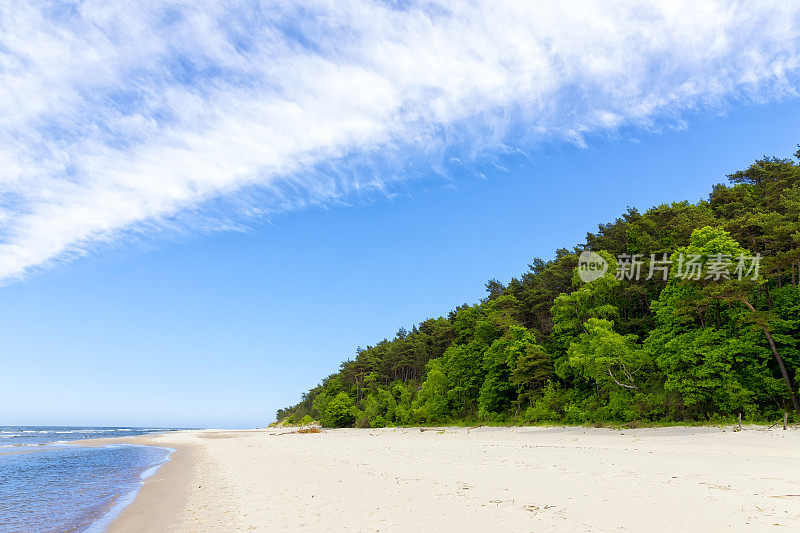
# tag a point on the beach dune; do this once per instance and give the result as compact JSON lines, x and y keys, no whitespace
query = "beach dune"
{"x":484,"y":479}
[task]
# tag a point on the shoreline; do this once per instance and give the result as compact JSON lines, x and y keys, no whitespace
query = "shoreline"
{"x":123,"y":501}
{"x":161,"y":496}
{"x":539,"y":478}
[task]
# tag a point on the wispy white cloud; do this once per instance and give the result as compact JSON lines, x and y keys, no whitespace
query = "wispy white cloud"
{"x":117,"y":118}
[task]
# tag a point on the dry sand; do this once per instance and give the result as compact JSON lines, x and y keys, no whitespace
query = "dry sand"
{"x":518,"y":479}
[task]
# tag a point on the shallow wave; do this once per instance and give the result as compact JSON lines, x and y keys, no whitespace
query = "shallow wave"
{"x":67,"y":429}
{"x":63,"y":487}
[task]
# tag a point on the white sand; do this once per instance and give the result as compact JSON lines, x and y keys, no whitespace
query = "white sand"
{"x":519,"y":479}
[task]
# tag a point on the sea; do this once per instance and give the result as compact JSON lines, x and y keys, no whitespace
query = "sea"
{"x":47,"y":485}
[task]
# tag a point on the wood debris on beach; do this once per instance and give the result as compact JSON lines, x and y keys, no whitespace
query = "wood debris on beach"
{"x":303,"y":430}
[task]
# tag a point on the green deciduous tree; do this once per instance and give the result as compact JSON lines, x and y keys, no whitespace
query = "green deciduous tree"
{"x":609,"y":359}
{"x":339,"y":411}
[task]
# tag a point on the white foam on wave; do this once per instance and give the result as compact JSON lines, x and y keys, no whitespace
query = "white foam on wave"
{"x":46,"y":443}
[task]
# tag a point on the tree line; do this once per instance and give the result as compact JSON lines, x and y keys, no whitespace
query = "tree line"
{"x":547,"y":347}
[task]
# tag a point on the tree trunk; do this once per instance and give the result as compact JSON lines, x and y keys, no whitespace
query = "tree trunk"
{"x":769,"y":297}
{"x":778,"y":358}
{"x":634,"y":387}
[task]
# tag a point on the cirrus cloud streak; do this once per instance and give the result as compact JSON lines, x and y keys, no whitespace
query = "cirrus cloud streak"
{"x":118,"y":118}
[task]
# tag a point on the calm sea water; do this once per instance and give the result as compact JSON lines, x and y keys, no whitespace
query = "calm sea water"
{"x":46,"y":485}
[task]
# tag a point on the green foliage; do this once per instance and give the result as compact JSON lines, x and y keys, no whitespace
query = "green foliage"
{"x":514,"y":368}
{"x":548,"y":348}
{"x":339,"y":411}
{"x":707,"y":352}
{"x":547,"y":408}
{"x":608,"y":359}
{"x":431,"y":402}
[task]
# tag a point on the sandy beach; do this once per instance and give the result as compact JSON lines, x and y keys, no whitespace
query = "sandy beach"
{"x":519,"y":479}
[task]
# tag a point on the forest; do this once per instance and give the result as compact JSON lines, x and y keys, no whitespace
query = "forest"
{"x":547,"y":347}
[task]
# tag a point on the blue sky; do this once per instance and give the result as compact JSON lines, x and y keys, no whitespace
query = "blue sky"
{"x":204,"y":209}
